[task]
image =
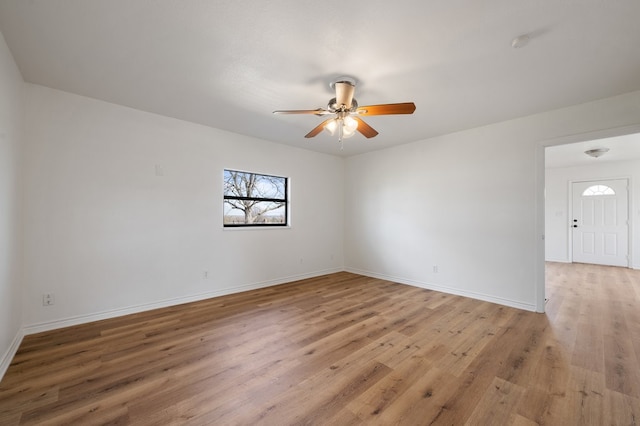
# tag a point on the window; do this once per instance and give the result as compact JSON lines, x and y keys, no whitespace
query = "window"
{"x":598,"y":190}
{"x":252,"y":199}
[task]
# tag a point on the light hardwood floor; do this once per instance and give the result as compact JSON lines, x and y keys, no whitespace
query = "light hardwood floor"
{"x":344,"y":350}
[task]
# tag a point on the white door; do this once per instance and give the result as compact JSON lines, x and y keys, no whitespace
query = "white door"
{"x":600,"y":223}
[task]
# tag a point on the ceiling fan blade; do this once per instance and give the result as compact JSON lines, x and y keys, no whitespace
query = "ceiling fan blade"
{"x":344,"y":93}
{"x":318,"y":111}
{"x":384,"y":109}
{"x":365,"y":129}
{"x":319,"y":128}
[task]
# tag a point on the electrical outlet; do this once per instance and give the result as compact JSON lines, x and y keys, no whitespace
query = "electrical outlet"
{"x":205,"y":275}
{"x":48,"y":299}
{"x":435,"y":269}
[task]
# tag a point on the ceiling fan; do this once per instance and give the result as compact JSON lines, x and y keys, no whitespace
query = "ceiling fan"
{"x":346,"y":113}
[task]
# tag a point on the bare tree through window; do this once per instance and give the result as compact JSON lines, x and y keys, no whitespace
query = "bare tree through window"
{"x":252,"y":199}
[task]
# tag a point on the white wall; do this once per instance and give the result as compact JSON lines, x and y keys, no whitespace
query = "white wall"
{"x":467,"y":202}
{"x":558,"y":200}
{"x":11,"y":87}
{"x":107,"y":236}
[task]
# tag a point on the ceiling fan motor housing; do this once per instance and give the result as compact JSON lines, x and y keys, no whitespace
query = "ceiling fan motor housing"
{"x":344,"y":94}
{"x":334,"y":107}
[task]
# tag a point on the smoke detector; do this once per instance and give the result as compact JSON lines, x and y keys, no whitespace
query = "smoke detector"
{"x":520,"y":41}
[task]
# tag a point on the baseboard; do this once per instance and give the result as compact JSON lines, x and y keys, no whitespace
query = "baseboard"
{"x":113,"y":313}
{"x":558,"y":260}
{"x":6,"y":359}
{"x":568,"y":261}
{"x":449,"y":290}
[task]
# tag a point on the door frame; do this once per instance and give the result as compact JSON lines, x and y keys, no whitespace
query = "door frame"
{"x":570,"y":214}
{"x":539,"y":270}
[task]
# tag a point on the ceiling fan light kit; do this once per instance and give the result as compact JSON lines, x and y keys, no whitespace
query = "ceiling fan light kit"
{"x":346,"y":127}
{"x":346,"y":112}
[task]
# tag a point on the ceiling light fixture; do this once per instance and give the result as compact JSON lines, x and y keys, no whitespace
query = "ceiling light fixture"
{"x":346,"y":113}
{"x":343,"y":105}
{"x":596,"y":152}
{"x":344,"y":124}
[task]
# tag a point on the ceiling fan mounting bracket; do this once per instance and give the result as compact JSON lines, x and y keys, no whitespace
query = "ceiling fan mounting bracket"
{"x":349,"y":80}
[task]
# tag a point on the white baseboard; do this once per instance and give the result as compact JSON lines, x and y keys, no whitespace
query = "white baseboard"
{"x":568,"y":261}
{"x":449,"y":290}
{"x":7,"y":357}
{"x":82,"y":319}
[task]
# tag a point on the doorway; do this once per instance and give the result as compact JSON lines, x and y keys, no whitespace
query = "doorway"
{"x":565,"y":161}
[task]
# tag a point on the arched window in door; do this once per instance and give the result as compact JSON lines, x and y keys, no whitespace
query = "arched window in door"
{"x":598,"y":190}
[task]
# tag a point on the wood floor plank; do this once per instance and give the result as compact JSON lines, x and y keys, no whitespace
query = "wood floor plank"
{"x":425,"y":402}
{"x":620,"y":409}
{"x":343,"y":349}
{"x":588,"y":351}
{"x":546,"y":382}
{"x":584,"y":397}
{"x":497,"y":404}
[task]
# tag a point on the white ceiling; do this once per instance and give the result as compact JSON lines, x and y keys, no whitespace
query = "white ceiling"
{"x":621,"y":148}
{"x":229,"y":63}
